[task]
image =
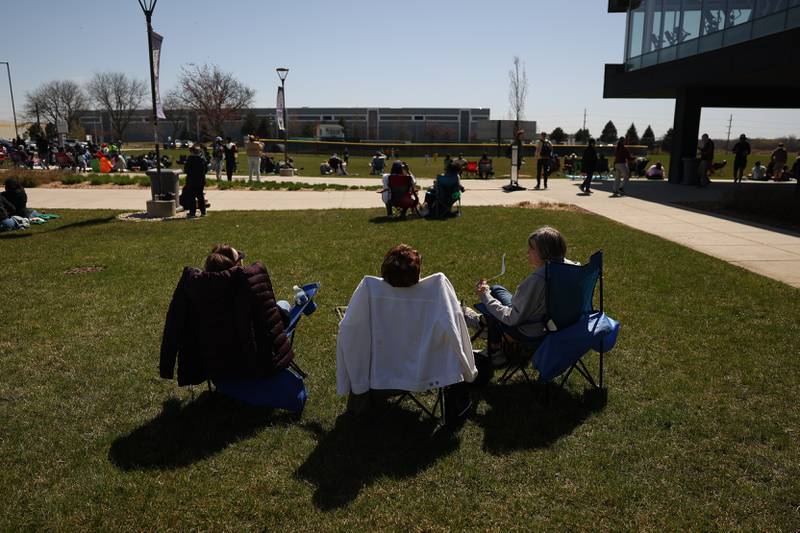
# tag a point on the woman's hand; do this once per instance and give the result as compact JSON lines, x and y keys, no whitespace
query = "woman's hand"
{"x":481,"y":287}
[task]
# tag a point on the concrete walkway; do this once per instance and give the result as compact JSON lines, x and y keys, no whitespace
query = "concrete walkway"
{"x":650,"y":207}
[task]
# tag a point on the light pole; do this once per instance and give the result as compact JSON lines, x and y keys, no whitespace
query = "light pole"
{"x":148,"y":6}
{"x":282,"y":73}
{"x":11,"y":90}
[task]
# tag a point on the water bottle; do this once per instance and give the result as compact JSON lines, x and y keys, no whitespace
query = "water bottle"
{"x":300,"y":296}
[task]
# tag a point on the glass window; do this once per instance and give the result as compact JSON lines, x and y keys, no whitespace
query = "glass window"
{"x":672,"y":18}
{"x":793,"y":20}
{"x":768,"y":7}
{"x":636,"y":31}
{"x":653,"y":26}
{"x":739,"y":12}
{"x":769,"y":24}
{"x":690,"y":25}
{"x":714,"y":15}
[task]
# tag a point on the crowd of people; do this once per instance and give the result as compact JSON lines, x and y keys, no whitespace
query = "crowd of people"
{"x":225,"y":321}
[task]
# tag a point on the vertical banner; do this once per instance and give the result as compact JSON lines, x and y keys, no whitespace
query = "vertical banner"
{"x":280,"y":110}
{"x":155,"y":45}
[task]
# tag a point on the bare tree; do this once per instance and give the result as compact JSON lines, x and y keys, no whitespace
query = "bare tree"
{"x":177,"y":116}
{"x":213,"y":94}
{"x":517,"y":91}
{"x":118,"y":96}
{"x":54,"y":100}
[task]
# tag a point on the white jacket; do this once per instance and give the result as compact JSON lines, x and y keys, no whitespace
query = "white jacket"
{"x":406,"y":338}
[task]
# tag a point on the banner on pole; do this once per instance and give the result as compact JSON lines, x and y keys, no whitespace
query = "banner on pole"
{"x":155,"y":45}
{"x":280,"y":110}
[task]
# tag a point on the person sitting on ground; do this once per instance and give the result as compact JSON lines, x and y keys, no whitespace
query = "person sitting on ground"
{"x":485,"y":166}
{"x":520,"y":317}
{"x":7,"y":223}
{"x":224,"y":322}
{"x":461,"y":162}
{"x":655,"y":172}
{"x":193,"y":192}
{"x":759,"y":172}
{"x":118,"y":163}
{"x":337,"y":165}
{"x":15,"y":194}
{"x":378,"y":355}
{"x":325,"y":169}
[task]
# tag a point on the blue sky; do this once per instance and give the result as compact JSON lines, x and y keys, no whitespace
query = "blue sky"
{"x":360,"y":53}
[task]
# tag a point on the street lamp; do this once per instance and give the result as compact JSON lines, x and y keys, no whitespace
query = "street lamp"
{"x":282,"y":73}
{"x":11,"y":90}
{"x":148,"y":6}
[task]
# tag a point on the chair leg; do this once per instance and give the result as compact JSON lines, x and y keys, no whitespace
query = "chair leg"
{"x":581,"y":368}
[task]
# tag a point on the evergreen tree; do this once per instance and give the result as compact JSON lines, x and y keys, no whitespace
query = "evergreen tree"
{"x":558,"y":136}
{"x":666,"y":141}
{"x":264,"y":129}
{"x":609,"y":135}
{"x":582,"y":136}
{"x":648,"y":137}
{"x":632,"y":136}
{"x":250,"y":124}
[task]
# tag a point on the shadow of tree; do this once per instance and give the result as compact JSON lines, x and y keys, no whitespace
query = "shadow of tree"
{"x":83,"y":223}
{"x":186,"y":432}
{"x":518,"y":417}
{"x":352,"y":455}
{"x":14,"y":235}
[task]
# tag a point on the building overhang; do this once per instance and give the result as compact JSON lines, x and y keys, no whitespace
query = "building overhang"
{"x":764,"y":72}
{"x":621,"y":6}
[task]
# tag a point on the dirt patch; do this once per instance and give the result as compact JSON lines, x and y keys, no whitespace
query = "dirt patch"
{"x":549,"y":206}
{"x":85,"y":270}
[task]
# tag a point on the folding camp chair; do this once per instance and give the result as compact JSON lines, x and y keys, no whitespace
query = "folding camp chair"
{"x":285,"y":389}
{"x":402,"y":195}
{"x":446,"y":193}
{"x":435,"y":412}
{"x":574,"y":326}
{"x":471,"y":168}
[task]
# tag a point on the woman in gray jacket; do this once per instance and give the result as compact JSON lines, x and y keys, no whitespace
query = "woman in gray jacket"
{"x":521,"y":316}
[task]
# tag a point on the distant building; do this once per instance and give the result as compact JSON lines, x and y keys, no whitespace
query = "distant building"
{"x":424,"y":124}
{"x":707,"y":53}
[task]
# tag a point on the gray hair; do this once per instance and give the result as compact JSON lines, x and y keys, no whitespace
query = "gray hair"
{"x":549,"y":243}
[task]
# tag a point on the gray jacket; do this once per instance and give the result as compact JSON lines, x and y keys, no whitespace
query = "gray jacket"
{"x":528,"y":305}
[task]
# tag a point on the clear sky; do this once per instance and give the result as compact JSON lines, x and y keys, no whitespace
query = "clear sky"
{"x":426,"y":53}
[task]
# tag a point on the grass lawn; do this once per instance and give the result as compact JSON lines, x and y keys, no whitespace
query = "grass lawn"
{"x":700,"y":429}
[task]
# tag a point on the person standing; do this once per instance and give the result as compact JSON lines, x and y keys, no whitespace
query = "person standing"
{"x":706,"y":159}
{"x":253,"y":149}
{"x":622,"y":170}
{"x":779,"y":158}
{"x":230,"y":157}
{"x":346,"y":156}
{"x":43,"y":149}
{"x":193,"y":191}
{"x":217,"y":157}
{"x":741,"y":150}
{"x":544,"y":151}
{"x":589,"y":165}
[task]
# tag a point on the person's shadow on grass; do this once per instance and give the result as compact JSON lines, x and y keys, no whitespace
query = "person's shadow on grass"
{"x":519,"y":417}
{"x":186,"y":432}
{"x":355,"y":453}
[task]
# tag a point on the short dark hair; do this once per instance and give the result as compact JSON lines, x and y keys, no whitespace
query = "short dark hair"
{"x":401,"y":266}
{"x":221,"y":258}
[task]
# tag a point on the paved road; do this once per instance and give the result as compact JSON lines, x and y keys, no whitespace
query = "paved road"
{"x":650,"y":206}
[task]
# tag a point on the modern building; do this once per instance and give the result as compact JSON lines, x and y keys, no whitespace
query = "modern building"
{"x":363,"y":123}
{"x":707,"y":53}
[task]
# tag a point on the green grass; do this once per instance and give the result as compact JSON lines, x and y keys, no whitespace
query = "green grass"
{"x":699,"y":430}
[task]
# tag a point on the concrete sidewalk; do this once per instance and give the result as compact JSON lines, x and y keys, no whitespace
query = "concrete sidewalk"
{"x":650,"y":207}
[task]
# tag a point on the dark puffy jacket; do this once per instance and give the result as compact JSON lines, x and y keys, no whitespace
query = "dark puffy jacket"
{"x":19,"y":199}
{"x":223,"y":324}
{"x":6,"y":208}
{"x":195,"y":169}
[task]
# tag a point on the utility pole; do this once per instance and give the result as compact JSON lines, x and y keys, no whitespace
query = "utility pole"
{"x":584,"y":118}
{"x":11,"y":90}
{"x":728,"y":142}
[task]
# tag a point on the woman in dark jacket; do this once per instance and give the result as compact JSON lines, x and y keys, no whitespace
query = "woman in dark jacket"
{"x":195,"y":169}
{"x":16,"y":196}
{"x":588,"y":165}
{"x":224,"y":322}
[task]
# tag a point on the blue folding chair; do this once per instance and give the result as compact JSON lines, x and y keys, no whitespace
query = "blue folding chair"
{"x":574,"y":327}
{"x":285,"y":389}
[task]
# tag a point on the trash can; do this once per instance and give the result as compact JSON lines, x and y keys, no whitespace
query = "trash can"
{"x":690,"y":170}
{"x":165,"y":188}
